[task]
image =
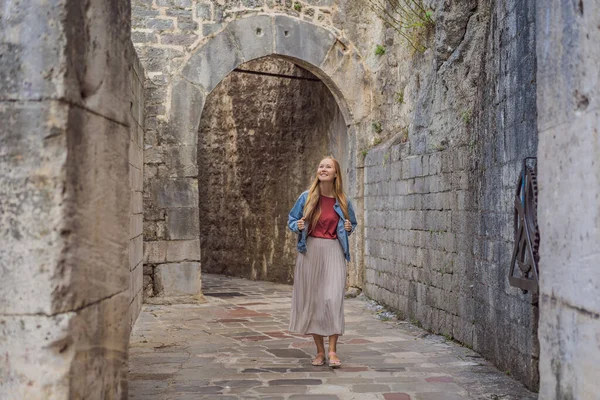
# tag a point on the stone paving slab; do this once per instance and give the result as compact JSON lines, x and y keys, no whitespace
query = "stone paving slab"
{"x":236,"y":346}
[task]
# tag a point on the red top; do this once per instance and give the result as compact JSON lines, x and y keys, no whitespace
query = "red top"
{"x":327,"y":225}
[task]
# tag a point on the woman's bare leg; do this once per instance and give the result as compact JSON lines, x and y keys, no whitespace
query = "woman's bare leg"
{"x":320,"y":358}
{"x":333,"y":358}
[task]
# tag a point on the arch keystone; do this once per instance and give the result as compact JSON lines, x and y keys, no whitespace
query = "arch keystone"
{"x":302,"y":40}
{"x":253,"y":36}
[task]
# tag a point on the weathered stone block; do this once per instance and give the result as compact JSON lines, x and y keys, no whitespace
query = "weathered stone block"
{"x":114,"y":331}
{"x":135,"y":282}
{"x":254,"y":36}
{"x":174,"y":3}
{"x":159,"y":25}
{"x":183,"y":250}
{"x":183,"y":223}
{"x":143,"y":38}
{"x":136,"y":178}
{"x":181,"y":192}
{"x":151,"y":213}
{"x":187,"y":26}
{"x":186,"y":109}
{"x":155,"y":230}
{"x":35,"y":370}
{"x":34,"y":150}
{"x":302,"y":40}
{"x":555,"y":108}
{"x":135,"y":308}
{"x":135,"y":224}
{"x":27,"y":75}
{"x":415,"y":166}
{"x":35,"y":44}
{"x":136,"y":203}
{"x":96,"y":171}
{"x":349,"y":82}
{"x":209,"y":29}
{"x":252,"y":3}
{"x":178,"y":158}
{"x":178,"y":40}
{"x":561,"y":326}
{"x":204,"y":11}
{"x":579,"y":230}
{"x":155,"y":252}
{"x":95,"y":40}
{"x":154,"y":155}
{"x":136,"y":251}
{"x":178,"y":279}
{"x":209,"y":64}
{"x":33,"y":365}
{"x":320,"y":3}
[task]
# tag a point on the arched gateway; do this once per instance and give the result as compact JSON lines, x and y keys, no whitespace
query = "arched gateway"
{"x":336,"y":62}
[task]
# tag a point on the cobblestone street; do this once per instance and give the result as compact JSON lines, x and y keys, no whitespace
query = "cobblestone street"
{"x":236,"y":346}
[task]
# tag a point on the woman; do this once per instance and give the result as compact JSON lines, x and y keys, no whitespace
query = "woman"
{"x":323,"y":218}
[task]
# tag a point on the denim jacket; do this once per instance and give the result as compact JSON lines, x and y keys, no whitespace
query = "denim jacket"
{"x":342,"y":234}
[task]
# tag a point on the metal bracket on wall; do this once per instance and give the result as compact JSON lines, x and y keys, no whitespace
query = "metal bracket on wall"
{"x":527,"y":235}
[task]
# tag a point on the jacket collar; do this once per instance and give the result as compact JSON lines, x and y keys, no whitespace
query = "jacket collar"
{"x":338,"y":209}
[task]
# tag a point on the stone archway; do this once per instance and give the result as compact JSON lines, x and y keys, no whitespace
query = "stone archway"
{"x":176,"y":261}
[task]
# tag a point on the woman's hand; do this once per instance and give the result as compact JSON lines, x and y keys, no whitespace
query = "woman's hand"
{"x":301,"y":224}
{"x":348,"y":225}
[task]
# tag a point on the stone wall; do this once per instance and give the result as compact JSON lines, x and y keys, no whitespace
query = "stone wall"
{"x":136,"y":165}
{"x":261,"y":139}
{"x":187,"y":48}
{"x":432,"y":160}
{"x":568,"y":99}
{"x":64,"y":199}
{"x":439,"y":192}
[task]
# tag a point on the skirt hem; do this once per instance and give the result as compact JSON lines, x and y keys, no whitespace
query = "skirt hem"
{"x":315,"y":333}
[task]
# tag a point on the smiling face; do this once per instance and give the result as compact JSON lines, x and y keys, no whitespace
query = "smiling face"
{"x":326,"y":171}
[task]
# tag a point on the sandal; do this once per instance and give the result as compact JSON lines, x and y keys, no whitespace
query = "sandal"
{"x":319,"y":360}
{"x":334,"y":364}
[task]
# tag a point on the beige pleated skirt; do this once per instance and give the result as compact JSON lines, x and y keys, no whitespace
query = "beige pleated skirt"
{"x":318,"y":293}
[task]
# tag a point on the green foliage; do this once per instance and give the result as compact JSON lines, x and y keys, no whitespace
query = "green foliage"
{"x":376,"y":125}
{"x":416,"y":322}
{"x":297,"y":6}
{"x":409,"y":18}
{"x":364,"y":153}
{"x":377,"y":141}
{"x":404,"y":136}
{"x":466,"y":116}
{"x":379,"y":50}
{"x":386,"y":158}
{"x":385,"y":318}
{"x":399,"y":98}
{"x":440,"y":147}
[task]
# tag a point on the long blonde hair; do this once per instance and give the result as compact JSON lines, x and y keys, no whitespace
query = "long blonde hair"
{"x":312,"y":208}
